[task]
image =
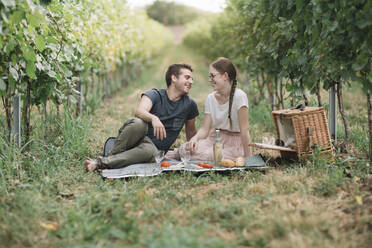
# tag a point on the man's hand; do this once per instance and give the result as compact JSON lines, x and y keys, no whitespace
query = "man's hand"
{"x":159,"y":129}
{"x":143,"y":112}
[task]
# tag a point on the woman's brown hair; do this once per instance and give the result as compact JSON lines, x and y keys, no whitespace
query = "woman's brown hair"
{"x":223,"y":65}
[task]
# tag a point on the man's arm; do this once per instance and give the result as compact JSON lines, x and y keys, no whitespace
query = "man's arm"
{"x":143,"y":112}
{"x":190,"y":128}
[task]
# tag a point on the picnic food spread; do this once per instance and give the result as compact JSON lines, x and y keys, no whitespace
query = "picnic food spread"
{"x":217,"y":149}
{"x":205,"y":165}
{"x":229,"y":163}
{"x":240,"y":161}
{"x":153,"y":169}
{"x":165,"y":164}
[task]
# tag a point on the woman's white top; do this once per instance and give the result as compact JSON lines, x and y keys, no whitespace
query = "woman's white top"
{"x":220,"y":112}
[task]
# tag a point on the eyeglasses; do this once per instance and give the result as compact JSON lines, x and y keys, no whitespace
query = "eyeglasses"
{"x":211,"y":75}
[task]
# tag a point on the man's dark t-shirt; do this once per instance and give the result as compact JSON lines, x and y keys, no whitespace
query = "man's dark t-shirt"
{"x":173,"y":114}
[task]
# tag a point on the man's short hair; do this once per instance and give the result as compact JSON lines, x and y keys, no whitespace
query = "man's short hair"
{"x":175,"y":70}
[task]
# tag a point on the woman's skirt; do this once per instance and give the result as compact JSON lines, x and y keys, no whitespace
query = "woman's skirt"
{"x":232,"y":147}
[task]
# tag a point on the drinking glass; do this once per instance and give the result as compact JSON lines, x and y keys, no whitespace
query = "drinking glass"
{"x":184,"y":154}
{"x":159,"y":156}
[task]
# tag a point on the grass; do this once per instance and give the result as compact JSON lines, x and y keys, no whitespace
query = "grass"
{"x":47,"y":199}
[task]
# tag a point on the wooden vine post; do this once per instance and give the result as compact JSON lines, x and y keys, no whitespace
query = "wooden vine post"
{"x":332,"y":113}
{"x":16,"y":130}
{"x":369,"y":105}
{"x":79,"y":106}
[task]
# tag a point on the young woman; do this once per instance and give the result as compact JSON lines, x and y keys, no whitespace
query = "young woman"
{"x":226,"y":109}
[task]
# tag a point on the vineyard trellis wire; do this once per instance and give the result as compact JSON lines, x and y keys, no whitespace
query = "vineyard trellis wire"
{"x":70,"y":52}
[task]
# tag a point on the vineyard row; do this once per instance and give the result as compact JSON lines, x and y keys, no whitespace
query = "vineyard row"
{"x":294,"y":47}
{"x":48,"y":53}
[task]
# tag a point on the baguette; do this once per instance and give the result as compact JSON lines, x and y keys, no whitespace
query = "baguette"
{"x":240,"y":161}
{"x":227,"y":163}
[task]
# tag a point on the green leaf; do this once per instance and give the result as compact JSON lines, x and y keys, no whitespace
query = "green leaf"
{"x":32,"y":20}
{"x":51,"y":39}
{"x":31,"y":29}
{"x":2,"y":84}
{"x":256,"y":24}
{"x":333,"y":26}
{"x":301,"y":60}
{"x":4,"y":17}
{"x":11,"y":45}
{"x":30,"y":70}
{"x":315,"y":33}
{"x":358,"y":65}
{"x":8,"y":3}
{"x":29,"y":54}
{"x":59,"y":77}
{"x":68,"y":17}
{"x":361,"y":61}
{"x":17,"y":16}
{"x":14,"y":73}
{"x":40,"y":43}
{"x":14,"y":58}
{"x":39,"y":66}
{"x":11,"y":82}
{"x":56,"y":7}
{"x":299,"y":5}
{"x":364,"y":23}
{"x":51,"y":74}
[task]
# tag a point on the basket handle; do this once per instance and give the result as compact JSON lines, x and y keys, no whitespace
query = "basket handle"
{"x":300,"y":107}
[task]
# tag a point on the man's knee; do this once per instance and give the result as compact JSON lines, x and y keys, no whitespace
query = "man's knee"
{"x":139,"y":126}
{"x":148,"y":151}
{"x":136,"y":125}
{"x":140,"y":123}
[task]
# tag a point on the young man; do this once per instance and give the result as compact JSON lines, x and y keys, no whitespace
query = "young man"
{"x":159,"y":119}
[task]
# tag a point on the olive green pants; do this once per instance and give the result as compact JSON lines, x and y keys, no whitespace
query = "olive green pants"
{"x":131,"y":146}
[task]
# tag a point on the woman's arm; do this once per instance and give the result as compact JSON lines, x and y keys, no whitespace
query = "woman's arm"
{"x":202,"y":133}
{"x":244,"y":130}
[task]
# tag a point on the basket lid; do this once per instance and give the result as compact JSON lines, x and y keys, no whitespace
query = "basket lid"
{"x":290,"y":112}
{"x":272,"y":147}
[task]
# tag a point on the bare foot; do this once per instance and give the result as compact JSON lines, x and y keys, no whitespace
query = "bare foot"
{"x":90,"y":165}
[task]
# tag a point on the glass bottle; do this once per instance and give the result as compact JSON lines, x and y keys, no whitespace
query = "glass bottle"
{"x":217,"y":149}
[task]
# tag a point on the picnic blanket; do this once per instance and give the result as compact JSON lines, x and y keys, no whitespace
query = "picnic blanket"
{"x":152,"y":169}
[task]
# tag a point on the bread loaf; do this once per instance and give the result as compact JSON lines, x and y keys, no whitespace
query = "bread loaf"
{"x":227,"y":163}
{"x":240,"y":161}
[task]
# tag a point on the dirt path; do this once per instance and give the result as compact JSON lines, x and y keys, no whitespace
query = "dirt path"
{"x":178,"y":32}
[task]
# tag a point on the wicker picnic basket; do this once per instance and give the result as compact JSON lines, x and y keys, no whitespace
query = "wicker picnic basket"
{"x":300,"y":132}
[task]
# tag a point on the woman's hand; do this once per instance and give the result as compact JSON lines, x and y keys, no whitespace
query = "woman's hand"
{"x":192,"y":144}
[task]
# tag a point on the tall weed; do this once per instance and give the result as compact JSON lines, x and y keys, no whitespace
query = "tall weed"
{"x":329,"y":175}
{"x":54,"y":143}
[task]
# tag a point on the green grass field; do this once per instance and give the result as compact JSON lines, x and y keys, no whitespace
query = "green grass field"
{"x":48,"y":200}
